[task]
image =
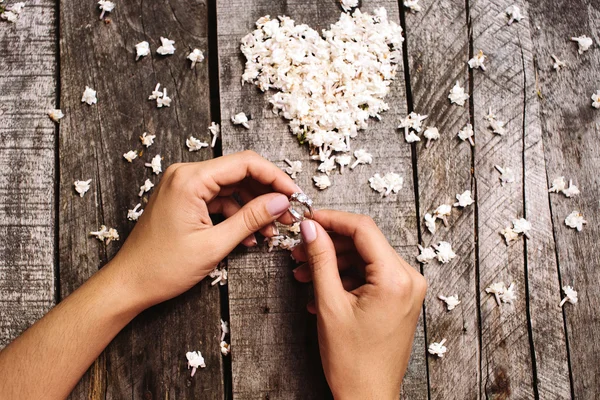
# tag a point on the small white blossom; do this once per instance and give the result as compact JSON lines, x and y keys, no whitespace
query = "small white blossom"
{"x":498,"y":127}
{"x":438,"y":349}
{"x":477,"y":61}
{"x":570,"y":295}
{"x":509,"y":235}
{"x":412,"y":121}
{"x":195,"y":144}
{"x":596,"y":99}
{"x":142,"y":49}
{"x":215,"y":131}
{"x":56,"y":115}
{"x":575,"y":220}
{"x":451,"y":301}
{"x":507,"y":175}
{"x":464,"y":199}
{"x":322,"y":181}
{"x":509,"y":295}
{"x":457,"y":95}
{"x":430,"y":223}
{"x":413,"y":5}
{"x":134,"y":214}
{"x":82,"y":187}
{"x":572,"y":190}
{"x":146,"y":187}
{"x":294,"y":168}
{"x":411,"y":137}
{"x":155,"y":164}
{"x":467,"y":133}
{"x":130,"y":155}
{"x":514,"y":14}
{"x":106,"y":235}
{"x":523,"y":226}
{"x":426,"y":254}
{"x":164,"y":100}
{"x":442,"y":212}
{"x":558,"y":64}
{"x":225,"y":348}
{"x":391,"y":182}
{"x":156,"y":93}
{"x":444,"y":252}
{"x":219,"y":276}
{"x":583,"y":42}
{"x":166,"y":47}
{"x":195,"y":361}
{"x":328,"y":165}
{"x":283,"y":242}
{"x":295,"y":228}
{"x":195,"y":56}
{"x":558,"y":185}
{"x":431,"y":133}
{"x":147,"y":140}
{"x":89,"y":96}
{"x":362,"y":157}
{"x":9,"y":16}
{"x":224,"y":329}
{"x":343,"y":160}
{"x":106,"y":7}
{"x":497,"y":289}
{"x":348,"y":5}
{"x":240,"y":119}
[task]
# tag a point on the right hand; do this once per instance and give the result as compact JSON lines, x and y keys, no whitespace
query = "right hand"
{"x":365,"y":322}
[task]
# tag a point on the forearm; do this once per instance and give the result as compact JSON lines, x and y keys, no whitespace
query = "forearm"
{"x":48,"y":360}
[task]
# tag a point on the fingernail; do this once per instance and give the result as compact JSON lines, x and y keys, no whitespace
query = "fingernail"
{"x":308,"y":230}
{"x":299,"y":190}
{"x":278,"y":205}
{"x":298,"y":268}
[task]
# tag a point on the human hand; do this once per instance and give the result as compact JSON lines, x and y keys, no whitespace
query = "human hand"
{"x":174,"y":244}
{"x":366,"y":320}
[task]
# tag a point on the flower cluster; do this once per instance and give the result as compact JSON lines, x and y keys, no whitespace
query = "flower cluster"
{"x":502,"y":293}
{"x":559,"y":185}
{"x":11,"y":13}
{"x":106,"y":235}
{"x":390,"y":182}
{"x":162,"y":100}
{"x":520,"y":227}
{"x":195,"y":361}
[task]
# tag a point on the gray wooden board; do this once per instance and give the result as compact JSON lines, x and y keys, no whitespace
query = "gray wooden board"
{"x":148,"y":358}
{"x":27,"y":161}
{"x":438,"y":47}
{"x":570,"y":134}
{"x":273,"y":346}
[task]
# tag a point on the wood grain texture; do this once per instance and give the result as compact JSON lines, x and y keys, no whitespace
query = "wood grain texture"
{"x":275,"y":351}
{"x":438,"y":45}
{"x":147,"y":360}
{"x":27,"y":161}
{"x":570,"y":136}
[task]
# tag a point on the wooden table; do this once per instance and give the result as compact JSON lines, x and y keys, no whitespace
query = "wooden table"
{"x":531,"y":349}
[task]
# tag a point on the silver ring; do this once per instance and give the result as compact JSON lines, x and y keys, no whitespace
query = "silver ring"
{"x":304,"y":201}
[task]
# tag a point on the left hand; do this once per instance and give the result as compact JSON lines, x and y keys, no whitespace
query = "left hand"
{"x":174,"y":244}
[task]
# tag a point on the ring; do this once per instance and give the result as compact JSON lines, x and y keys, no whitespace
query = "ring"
{"x":305,"y":202}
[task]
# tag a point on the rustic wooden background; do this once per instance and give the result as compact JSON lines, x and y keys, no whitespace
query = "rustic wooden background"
{"x":533,"y":349}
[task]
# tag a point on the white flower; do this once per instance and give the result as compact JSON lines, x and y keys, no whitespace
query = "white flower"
{"x":477,"y":61}
{"x":322,"y":181}
{"x":348,"y":5}
{"x":343,"y":160}
{"x":426,"y":254}
{"x":391,"y":182}
{"x":509,"y":235}
{"x":295,"y":167}
{"x":509,"y":295}
{"x":464,"y":199}
{"x":106,"y":7}
{"x":240,"y":119}
{"x":412,"y":121}
{"x":195,"y":360}
{"x":514,"y":14}
{"x":451,"y":301}
{"x":467,"y":133}
{"x":558,"y":64}
{"x":596,"y":99}
{"x":413,"y":5}
{"x":575,"y":220}
{"x":195,"y":56}
{"x":215,"y":131}
{"x":166,"y":47}
{"x":17,"y":8}
{"x":497,"y":127}
{"x":142,"y":49}
{"x":89,"y":96}
{"x":430,"y":223}
{"x":431,"y":133}
{"x":457,"y":95}
{"x":106,"y":235}
{"x":362,"y":157}
{"x":156,"y":93}
{"x":438,"y":349}
{"x":411,"y":137}
{"x":572,"y":190}
{"x":155,"y":164}
{"x":583,"y":42}
{"x":558,"y":185}
{"x":523,"y":226}
{"x":497,"y":289}
{"x":147,"y":140}
{"x":134,"y":214}
{"x":225,"y":348}
{"x":55,"y":115}
{"x":295,"y":228}
{"x":570,"y":295}
{"x":283,"y":242}
{"x":9,"y":16}
{"x":328,"y":165}
{"x":164,"y":100}
{"x":146,"y":187}
{"x":444,"y":252}
{"x":219,"y":275}
{"x":442,"y":212}
{"x":195,"y":144}
{"x":130,"y":155}
{"x":224,"y":329}
{"x":506,"y":175}
{"x":82,"y":187}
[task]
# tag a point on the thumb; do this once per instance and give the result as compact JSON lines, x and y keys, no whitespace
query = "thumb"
{"x":322,"y":259}
{"x":255,"y":215}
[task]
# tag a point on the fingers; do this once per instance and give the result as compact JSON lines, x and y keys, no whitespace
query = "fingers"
{"x":228,"y":206}
{"x":342,"y":245}
{"x":344,"y":263}
{"x":349,"y":283}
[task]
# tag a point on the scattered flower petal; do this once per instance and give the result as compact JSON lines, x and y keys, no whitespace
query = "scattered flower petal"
{"x":477,"y":61}
{"x":146,"y":187}
{"x":575,"y":220}
{"x":343,"y":160}
{"x":558,"y":64}
{"x":219,"y":275}
{"x":430,"y":223}
{"x":464,"y":199}
{"x":348,"y":5}
{"x":195,"y":144}
{"x":166,"y":47}
{"x":147,"y":140}
{"x":457,"y":95}
{"x":56,"y":115}
{"x":509,"y":295}
{"x":431,"y":133}
{"x":523,"y":226}
{"x":509,"y":235}
{"x":391,"y":182}
{"x":164,"y":100}
{"x":142,"y":49}
{"x":225,"y":348}
{"x":155,"y":164}
{"x":215,"y":131}
{"x":240,"y":119}
{"x":583,"y":42}
{"x":507,"y":175}
{"x":134,"y":214}
{"x":82,"y":187}
{"x":195,"y":56}
{"x":106,"y":7}
{"x":106,"y":235}
{"x":156,"y":93}
{"x":130,"y":155}
{"x":413,"y":5}
{"x":295,"y":167}
{"x":451,"y":301}
{"x":467,"y":133}
{"x":558,"y":185}
{"x":437,"y":349}
{"x":89,"y":96}
{"x":426,"y":254}
{"x":570,"y":295}
{"x":362,"y":157}
{"x":195,"y":361}
{"x":596,"y":99}
{"x":514,"y":14}
{"x":322,"y":181}
{"x":444,"y":252}
{"x":496,"y":289}
{"x":572,"y":190}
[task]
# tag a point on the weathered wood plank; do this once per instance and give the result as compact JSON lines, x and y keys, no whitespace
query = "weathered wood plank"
{"x":27,"y":158}
{"x":570,"y":135}
{"x":274,"y":348}
{"x":148,"y":358}
{"x":438,"y":47}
